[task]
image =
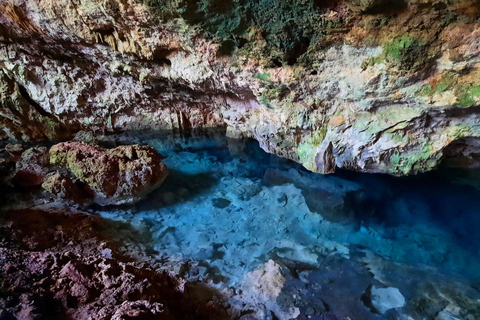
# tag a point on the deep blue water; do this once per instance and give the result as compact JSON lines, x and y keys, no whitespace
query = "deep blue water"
{"x":228,"y":207}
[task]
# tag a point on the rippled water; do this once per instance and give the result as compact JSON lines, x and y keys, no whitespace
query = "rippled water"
{"x":227,"y":208}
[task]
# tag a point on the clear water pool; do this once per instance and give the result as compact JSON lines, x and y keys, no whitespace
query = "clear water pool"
{"x":227,"y":208}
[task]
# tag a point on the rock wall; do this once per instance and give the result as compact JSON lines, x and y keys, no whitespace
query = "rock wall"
{"x":375,"y":86}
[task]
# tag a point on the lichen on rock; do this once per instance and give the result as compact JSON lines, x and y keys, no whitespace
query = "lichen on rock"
{"x":116,"y":176}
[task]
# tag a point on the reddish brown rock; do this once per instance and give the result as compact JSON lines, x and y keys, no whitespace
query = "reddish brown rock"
{"x":32,"y":167}
{"x":74,"y":266}
{"x":63,"y":187}
{"x":117,"y":176}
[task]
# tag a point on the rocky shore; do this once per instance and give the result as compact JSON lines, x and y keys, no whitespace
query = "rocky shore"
{"x":71,"y":265}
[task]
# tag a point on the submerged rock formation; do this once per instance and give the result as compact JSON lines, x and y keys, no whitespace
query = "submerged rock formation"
{"x":375,"y":86}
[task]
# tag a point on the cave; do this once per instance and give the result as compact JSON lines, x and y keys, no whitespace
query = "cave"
{"x":240,"y":159}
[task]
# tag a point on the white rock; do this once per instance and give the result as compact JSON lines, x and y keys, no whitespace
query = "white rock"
{"x":384,"y":299}
{"x":443,"y":315}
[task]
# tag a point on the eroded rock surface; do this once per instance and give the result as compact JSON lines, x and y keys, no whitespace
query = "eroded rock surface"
{"x":65,"y":188}
{"x":75,"y":266}
{"x":32,"y":167}
{"x":115,"y":176}
{"x":375,"y":86}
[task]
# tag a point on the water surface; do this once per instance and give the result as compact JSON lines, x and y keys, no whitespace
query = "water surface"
{"x":227,"y":208}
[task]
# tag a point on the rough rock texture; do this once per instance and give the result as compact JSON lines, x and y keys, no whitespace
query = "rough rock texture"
{"x":32,"y":167}
{"x":381,"y":300}
{"x":115,"y":176}
{"x":74,"y":266}
{"x":64,"y":188}
{"x":370,"y":85}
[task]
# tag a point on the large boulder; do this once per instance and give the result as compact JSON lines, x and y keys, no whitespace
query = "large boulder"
{"x":116,"y":176}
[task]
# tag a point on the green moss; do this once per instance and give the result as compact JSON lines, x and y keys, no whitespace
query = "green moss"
{"x":395,"y":160}
{"x":265,"y":101}
{"x":271,"y":94}
{"x":49,"y":124}
{"x":372,"y":61}
{"x":407,"y":53}
{"x":425,"y":90}
{"x":396,"y":49}
{"x":307,"y":149}
{"x":57,"y":158}
{"x":441,"y":88}
{"x":263,"y":76}
{"x":459,"y":131}
{"x":447,"y":81}
{"x":319,"y":136}
{"x":475,"y":91}
{"x":420,"y":159}
{"x":306,"y":153}
{"x":468,"y":96}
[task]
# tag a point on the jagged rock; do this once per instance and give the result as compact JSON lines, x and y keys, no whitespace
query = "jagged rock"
{"x":57,"y":270}
{"x":63,"y":187}
{"x":32,"y":167}
{"x":321,"y":83}
{"x":15,"y":150}
{"x":141,"y":310}
{"x":8,"y":161}
{"x":443,"y":315}
{"x":116,"y":176}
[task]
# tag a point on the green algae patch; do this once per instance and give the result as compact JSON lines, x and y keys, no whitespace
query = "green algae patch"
{"x":427,"y":155}
{"x":468,"y":96}
{"x":467,"y":92}
{"x":407,"y":53}
{"x":386,"y":119}
{"x":263,"y":76}
{"x":420,"y":159}
{"x":306,"y":153}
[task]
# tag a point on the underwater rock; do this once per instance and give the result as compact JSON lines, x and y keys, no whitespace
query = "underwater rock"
{"x":384,"y":299}
{"x":116,"y":176}
{"x":262,"y":287}
{"x":443,"y":315}
{"x":32,"y":167}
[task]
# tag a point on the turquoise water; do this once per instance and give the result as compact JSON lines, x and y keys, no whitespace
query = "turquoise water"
{"x":227,"y":208}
